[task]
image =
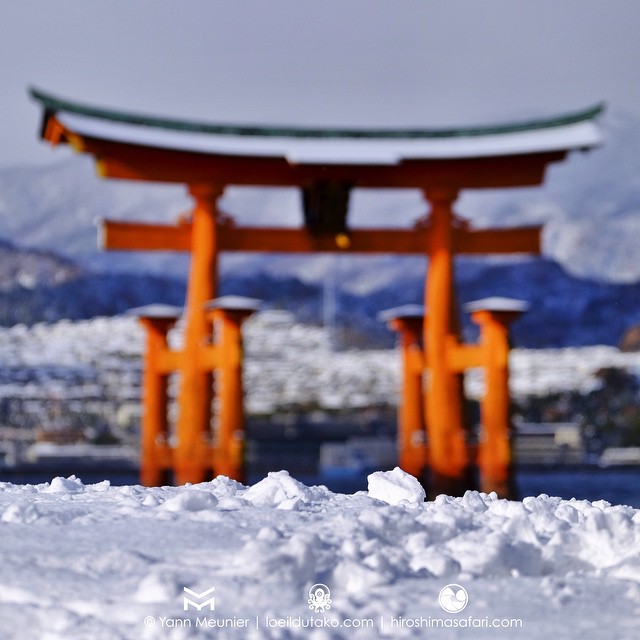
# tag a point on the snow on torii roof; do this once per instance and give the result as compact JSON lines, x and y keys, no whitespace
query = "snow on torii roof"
{"x":328,"y":146}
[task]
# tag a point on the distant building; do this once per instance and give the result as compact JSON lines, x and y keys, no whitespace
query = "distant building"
{"x":549,"y":443}
{"x":620,"y":456}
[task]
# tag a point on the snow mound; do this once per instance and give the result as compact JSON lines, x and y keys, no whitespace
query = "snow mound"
{"x":64,"y":485}
{"x":190,"y":500}
{"x":395,"y":487}
{"x":281,"y":491}
{"x":96,"y":561}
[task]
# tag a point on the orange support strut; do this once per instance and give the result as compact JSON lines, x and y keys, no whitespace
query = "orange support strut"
{"x":155,"y":462}
{"x":228,"y":313}
{"x":408,"y":322}
{"x":494,"y":315}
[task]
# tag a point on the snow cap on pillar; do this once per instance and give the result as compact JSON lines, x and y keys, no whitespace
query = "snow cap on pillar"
{"x":234,"y":303}
{"x":156,"y":311}
{"x":403,"y":311}
{"x":497,"y":304}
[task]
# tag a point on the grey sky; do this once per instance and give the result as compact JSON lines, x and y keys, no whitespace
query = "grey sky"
{"x":349,"y":62}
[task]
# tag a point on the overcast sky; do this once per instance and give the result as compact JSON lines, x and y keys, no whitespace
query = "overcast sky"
{"x":350,"y":62}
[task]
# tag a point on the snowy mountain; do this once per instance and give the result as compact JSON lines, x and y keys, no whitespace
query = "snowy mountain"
{"x":30,"y":268}
{"x":38,"y":285}
{"x":590,"y":204}
{"x":55,"y":207}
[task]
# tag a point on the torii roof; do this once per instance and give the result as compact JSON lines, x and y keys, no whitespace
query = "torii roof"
{"x":144,"y":147}
{"x":329,"y":145}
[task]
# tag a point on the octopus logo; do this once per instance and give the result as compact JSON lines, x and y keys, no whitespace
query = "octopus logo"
{"x":453,"y":598}
{"x":319,"y":598}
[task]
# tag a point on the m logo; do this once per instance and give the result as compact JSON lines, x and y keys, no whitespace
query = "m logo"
{"x":198,"y":602}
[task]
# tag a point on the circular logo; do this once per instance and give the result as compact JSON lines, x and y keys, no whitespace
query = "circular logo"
{"x":453,"y":598}
{"x":319,"y":598}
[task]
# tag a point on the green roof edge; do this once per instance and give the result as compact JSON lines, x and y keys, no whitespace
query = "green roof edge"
{"x":53,"y":104}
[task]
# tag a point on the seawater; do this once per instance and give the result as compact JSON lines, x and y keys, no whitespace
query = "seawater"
{"x":620,"y":485}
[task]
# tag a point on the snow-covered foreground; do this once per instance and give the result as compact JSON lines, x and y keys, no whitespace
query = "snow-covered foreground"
{"x":283,"y":560}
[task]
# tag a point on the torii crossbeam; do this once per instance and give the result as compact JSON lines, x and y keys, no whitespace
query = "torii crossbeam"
{"x":326,"y":164}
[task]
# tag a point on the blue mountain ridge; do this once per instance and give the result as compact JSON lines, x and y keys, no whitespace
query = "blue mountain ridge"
{"x":565,"y":310}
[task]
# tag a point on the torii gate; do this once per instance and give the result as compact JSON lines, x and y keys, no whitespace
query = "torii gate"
{"x":326,"y":164}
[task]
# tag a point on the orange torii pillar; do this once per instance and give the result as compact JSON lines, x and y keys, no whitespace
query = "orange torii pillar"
{"x":159,"y":362}
{"x":448,"y":454}
{"x":494,"y":315}
{"x":227,"y":314}
{"x":191,"y":456}
{"x":408,"y":321}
